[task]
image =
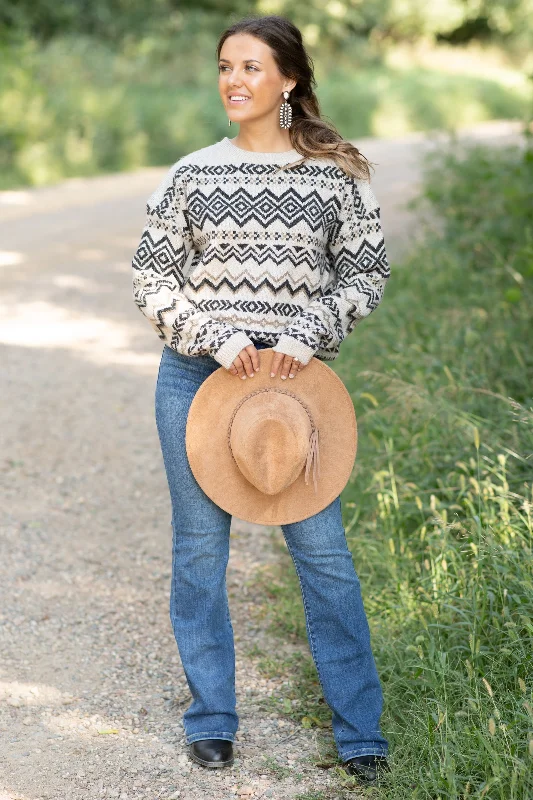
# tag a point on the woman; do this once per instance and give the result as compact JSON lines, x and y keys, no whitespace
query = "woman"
{"x":286,"y":251}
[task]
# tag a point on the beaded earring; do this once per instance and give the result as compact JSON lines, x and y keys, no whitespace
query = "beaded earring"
{"x":285,"y":113}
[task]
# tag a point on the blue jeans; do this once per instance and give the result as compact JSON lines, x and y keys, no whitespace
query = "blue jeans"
{"x":336,"y":624}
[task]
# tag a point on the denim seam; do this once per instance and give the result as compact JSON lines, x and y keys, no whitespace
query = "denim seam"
{"x":173,"y":568}
{"x":211,"y":735}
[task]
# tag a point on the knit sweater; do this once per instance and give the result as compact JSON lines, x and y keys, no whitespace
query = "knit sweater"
{"x":235,"y":252}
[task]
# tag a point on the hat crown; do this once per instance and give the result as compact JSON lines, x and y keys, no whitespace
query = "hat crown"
{"x":269,"y":439}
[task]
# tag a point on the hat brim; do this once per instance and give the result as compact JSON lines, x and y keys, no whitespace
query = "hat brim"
{"x":213,"y":466}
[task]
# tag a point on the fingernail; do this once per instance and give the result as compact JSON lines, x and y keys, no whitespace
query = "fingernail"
{"x":251,"y":375}
{"x":283,"y":377}
{"x":272,"y":374}
{"x":291,"y":375}
{"x":243,"y":377}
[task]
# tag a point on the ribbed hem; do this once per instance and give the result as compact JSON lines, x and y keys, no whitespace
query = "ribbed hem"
{"x":231,"y":348}
{"x":292,"y":347}
{"x":239,"y":155}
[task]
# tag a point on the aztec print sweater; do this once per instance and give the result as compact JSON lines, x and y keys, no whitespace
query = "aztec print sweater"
{"x":234,"y":252}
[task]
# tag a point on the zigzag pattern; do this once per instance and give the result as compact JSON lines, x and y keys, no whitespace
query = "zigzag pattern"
{"x":263,"y":286}
{"x":268,"y":254}
{"x":160,"y":256}
{"x":367,"y":258}
{"x":235,"y":250}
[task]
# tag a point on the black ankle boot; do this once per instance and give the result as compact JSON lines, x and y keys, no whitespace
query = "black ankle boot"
{"x":368,"y":769}
{"x":212,"y":752}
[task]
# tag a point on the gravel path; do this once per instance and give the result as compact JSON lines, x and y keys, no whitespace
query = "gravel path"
{"x":91,"y":685}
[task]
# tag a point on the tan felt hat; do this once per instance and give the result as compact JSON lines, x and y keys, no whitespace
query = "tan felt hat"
{"x":271,"y":451}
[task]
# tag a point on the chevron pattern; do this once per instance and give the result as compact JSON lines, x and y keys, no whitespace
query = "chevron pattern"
{"x":235,"y":250}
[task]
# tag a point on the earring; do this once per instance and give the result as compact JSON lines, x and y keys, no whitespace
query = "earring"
{"x":229,"y":121}
{"x":285,"y":113}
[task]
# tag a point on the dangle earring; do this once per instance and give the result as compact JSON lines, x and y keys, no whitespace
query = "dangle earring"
{"x":229,"y":121}
{"x":285,"y":113}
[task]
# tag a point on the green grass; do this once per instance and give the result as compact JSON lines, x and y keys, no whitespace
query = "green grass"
{"x":78,"y":107}
{"x":438,"y":512}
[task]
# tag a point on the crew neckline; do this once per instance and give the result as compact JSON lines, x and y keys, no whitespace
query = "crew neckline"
{"x":259,"y":157}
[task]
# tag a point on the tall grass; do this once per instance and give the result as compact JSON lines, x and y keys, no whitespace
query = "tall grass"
{"x":77,"y":106}
{"x":438,"y":513}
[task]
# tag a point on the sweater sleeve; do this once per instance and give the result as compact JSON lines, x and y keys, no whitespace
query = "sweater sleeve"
{"x":158,"y":279}
{"x":356,"y":248}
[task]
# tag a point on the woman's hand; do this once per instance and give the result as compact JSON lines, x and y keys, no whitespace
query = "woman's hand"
{"x":289,"y":365}
{"x":247,"y":363}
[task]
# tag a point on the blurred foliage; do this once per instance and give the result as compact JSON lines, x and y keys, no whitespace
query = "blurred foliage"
{"x":78,"y":106}
{"x":116,"y":84}
{"x":338,"y":22}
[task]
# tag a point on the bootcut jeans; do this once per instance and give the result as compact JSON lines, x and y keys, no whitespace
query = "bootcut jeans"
{"x":336,"y":623}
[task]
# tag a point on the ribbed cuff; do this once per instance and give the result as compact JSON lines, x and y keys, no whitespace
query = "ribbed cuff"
{"x":231,"y":348}
{"x":292,"y":347}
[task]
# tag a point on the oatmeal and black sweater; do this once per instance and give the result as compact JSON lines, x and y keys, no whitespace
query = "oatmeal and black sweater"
{"x":236,"y":252}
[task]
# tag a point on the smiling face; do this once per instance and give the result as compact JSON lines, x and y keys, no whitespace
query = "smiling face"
{"x":247,"y":69}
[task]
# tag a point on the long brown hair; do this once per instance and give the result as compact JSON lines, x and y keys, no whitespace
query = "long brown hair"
{"x":310,"y":135}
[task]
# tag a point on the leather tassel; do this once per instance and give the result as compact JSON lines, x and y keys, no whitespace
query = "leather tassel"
{"x":313,"y":457}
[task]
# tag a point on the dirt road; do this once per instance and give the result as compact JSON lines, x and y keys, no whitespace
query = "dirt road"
{"x":91,"y":686}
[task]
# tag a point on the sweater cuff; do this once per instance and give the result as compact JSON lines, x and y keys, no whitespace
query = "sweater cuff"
{"x":293,"y":347}
{"x":228,"y":352}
